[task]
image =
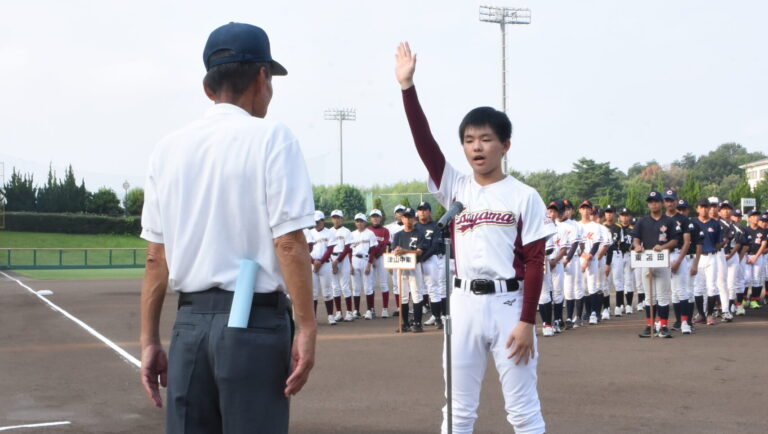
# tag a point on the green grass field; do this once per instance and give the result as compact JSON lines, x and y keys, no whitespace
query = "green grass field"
{"x":38,"y":240}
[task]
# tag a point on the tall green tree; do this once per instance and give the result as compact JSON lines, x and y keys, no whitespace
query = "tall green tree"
{"x":20,"y":192}
{"x":377,"y":203}
{"x":636,"y":192}
{"x":49,"y":197}
{"x":761,"y":194}
{"x":348,"y":199}
{"x":691,"y":190}
{"x":723,"y":161}
{"x":589,"y":180}
{"x":104,"y":202}
{"x":739,"y":192}
{"x":134,"y":201}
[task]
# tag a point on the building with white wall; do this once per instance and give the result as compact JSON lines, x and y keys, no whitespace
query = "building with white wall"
{"x":756,"y":171}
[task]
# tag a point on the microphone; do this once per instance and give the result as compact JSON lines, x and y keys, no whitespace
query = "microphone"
{"x":455,"y":208}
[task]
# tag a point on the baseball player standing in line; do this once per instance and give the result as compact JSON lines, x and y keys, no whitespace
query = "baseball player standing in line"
{"x":678,"y":263}
{"x":730,"y":261}
{"x":393,"y":228}
{"x":430,"y":268}
{"x":614,"y":261}
{"x":322,"y":249}
{"x":411,"y":240}
{"x":499,"y":243}
{"x":564,"y":239}
{"x":380,"y":275}
{"x":589,"y":260}
{"x":756,"y":245}
{"x":692,"y":256}
{"x":572,"y":287}
{"x":656,"y":232}
{"x":745,"y":278}
{"x":706,"y":278}
{"x":602,"y":268}
{"x":341,"y":278}
{"x":625,"y":218}
{"x":363,"y":248}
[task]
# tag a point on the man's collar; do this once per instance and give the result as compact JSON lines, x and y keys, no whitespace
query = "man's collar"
{"x":225,"y":108}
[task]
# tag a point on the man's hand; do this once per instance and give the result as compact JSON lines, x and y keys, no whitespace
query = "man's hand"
{"x":405,"y":65}
{"x":521,"y":343}
{"x":607,"y":270}
{"x":658,"y":248}
{"x":302,"y":360}
{"x":675,"y":266}
{"x":398,"y":251}
{"x":752,"y":260}
{"x":335,"y":267}
{"x":694,"y":269}
{"x":154,"y":366}
{"x":316,"y":266}
{"x":368,"y":269}
{"x":639,"y":249}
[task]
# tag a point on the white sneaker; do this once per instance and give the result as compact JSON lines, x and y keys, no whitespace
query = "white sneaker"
{"x":593,"y":319}
{"x":547,"y":331}
{"x":740,"y":311}
{"x":338,"y":316}
{"x":356,"y":314}
{"x":685,"y":328}
{"x":640,"y":307}
{"x":368,"y":314}
{"x":606,"y":314}
{"x":628,"y":310}
{"x":431,"y":321}
{"x":617,"y":311}
{"x":331,"y":320}
{"x":349,"y":317}
{"x":384,"y":313}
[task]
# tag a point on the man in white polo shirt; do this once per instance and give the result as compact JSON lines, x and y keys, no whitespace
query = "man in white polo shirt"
{"x":258,"y":199}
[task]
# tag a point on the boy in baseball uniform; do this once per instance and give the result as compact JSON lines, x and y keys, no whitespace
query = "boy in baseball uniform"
{"x":322,"y":248}
{"x":500,"y":238}
{"x":341,"y":280}
{"x":363,"y":249}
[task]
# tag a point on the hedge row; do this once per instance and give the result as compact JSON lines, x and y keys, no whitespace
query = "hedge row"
{"x":71,"y":223}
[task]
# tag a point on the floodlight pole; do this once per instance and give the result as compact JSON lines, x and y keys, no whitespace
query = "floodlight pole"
{"x":504,"y":16}
{"x":341,"y":115}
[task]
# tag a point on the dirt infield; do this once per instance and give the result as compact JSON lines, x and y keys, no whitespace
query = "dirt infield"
{"x":370,"y":380}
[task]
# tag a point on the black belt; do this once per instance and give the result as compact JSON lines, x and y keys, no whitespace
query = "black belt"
{"x":220,"y":300}
{"x":486,"y":286}
{"x":335,"y":254}
{"x":707,"y":254}
{"x":360,"y":255}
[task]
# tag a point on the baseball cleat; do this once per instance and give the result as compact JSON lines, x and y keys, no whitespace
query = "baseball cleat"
{"x":384,"y":313}
{"x":556,"y":327}
{"x":337,"y":317}
{"x":676,"y":325}
{"x":710,"y":320}
{"x":740,"y":311}
{"x":727,"y":317}
{"x":618,"y":311}
{"x":640,"y":307}
{"x":646,"y":333}
{"x":417,"y":328}
{"x":593,"y":319}
{"x":349,"y":317}
{"x":578,"y":323}
{"x":606,"y":315}
{"x":547,"y":331}
{"x":331,"y":320}
{"x":440,"y":325}
{"x":685,"y":328}
{"x":664,"y":333}
{"x":698,"y":319}
{"x":568,"y":324}
{"x":628,"y":310}
{"x":430,"y":321}
{"x":754,"y":304}
{"x":368,"y":314}
{"x":406,"y":329}
{"x":356,"y":314}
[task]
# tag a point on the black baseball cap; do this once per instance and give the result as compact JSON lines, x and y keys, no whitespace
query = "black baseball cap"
{"x":609,"y":208}
{"x":557,"y":205}
{"x":737,"y":212}
{"x":624,"y":211}
{"x":764,"y":218}
{"x":703,"y":202}
{"x":654,"y":195}
{"x":408,"y":212}
{"x":670,"y":195}
{"x":424,"y":206}
{"x":248,"y":43}
{"x":567,"y":204}
{"x":753,"y":212}
{"x":585,"y":204}
{"x":682,"y":203}
{"x":727,"y":204}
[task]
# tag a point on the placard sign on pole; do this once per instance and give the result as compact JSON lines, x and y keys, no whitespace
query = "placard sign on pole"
{"x":649,"y":259}
{"x":401,"y":262}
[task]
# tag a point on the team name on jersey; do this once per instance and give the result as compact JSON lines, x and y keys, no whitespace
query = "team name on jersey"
{"x":468,"y":221}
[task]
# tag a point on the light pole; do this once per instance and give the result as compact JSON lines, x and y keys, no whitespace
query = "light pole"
{"x":503,"y":16}
{"x":341,"y":115}
{"x":126,"y":186}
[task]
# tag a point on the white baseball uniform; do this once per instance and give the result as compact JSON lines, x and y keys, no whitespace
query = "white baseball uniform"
{"x":341,"y":281}
{"x":393,"y":228}
{"x":572,"y":280}
{"x":321,"y":281}
{"x":362,"y":241}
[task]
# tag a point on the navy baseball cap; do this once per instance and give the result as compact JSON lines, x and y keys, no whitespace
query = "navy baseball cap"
{"x":727,"y":204}
{"x":248,"y":43}
{"x":654,"y":195}
{"x":624,"y":211}
{"x":764,"y":218}
{"x":670,"y":195}
{"x":557,"y":205}
{"x":424,"y":205}
{"x":753,"y":212}
{"x":408,"y":212}
{"x":703,"y":202}
{"x":737,"y":212}
{"x":586,"y":204}
{"x":682,"y":203}
{"x":609,"y":208}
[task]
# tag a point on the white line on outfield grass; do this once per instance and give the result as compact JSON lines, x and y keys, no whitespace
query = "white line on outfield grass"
{"x":34,"y":425}
{"x":124,"y":354}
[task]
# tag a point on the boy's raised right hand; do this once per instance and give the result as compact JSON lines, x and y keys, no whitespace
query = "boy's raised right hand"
{"x":405,"y":65}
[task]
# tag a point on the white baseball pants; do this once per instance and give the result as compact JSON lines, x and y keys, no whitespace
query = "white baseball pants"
{"x":571,"y":285}
{"x":342,"y":280}
{"x":591,"y":275}
{"x":362,"y":282}
{"x":705,"y":283}
{"x":602,"y":279}
{"x":380,"y":275}
{"x":558,"y":281}
{"x":546,"y":286}
{"x":481,"y":325}
{"x":637,"y":274}
{"x":430,"y":272}
{"x":441,"y":284}
{"x":680,"y":279}
{"x":412,"y":285}
{"x":731,"y":276}
{"x":661,"y":279}
{"x":754,"y":272}
{"x":321,"y":282}
{"x":618,"y":272}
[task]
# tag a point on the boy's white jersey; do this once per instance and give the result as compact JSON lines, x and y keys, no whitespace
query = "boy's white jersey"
{"x":343,"y":236}
{"x":362,"y":241}
{"x":322,"y":240}
{"x":592,"y":233}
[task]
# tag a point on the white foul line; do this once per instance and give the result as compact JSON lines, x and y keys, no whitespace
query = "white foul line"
{"x":124,"y":354}
{"x":34,"y":425}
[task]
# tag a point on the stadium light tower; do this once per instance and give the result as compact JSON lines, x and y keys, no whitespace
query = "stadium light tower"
{"x":503,"y":16}
{"x":341,"y":115}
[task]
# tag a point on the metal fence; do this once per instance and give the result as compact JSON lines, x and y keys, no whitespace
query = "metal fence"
{"x":71,"y":258}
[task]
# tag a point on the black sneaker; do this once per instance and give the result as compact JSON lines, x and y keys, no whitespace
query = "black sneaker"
{"x":406,"y":329}
{"x":439,"y":324}
{"x":676,"y":326}
{"x":568,"y":324}
{"x":646,"y":333}
{"x":664,"y":333}
{"x":417,"y":328}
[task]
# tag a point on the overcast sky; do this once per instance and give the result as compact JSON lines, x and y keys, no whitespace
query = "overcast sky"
{"x":96,"y":84}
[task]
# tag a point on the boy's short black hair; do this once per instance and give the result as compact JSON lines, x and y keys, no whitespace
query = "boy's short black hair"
{"x":235,"y":77}
{"x":482,"y":116}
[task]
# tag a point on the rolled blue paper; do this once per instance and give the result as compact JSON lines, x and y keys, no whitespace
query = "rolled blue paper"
{"x":243,"y":297}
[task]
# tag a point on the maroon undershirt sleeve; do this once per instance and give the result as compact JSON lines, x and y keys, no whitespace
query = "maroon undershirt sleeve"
{"x":428,"y":149}
{"x":371,"y":254}
{"x":327,"y":254}
{"x":347,"y":250}
{"x":533,"y":257}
